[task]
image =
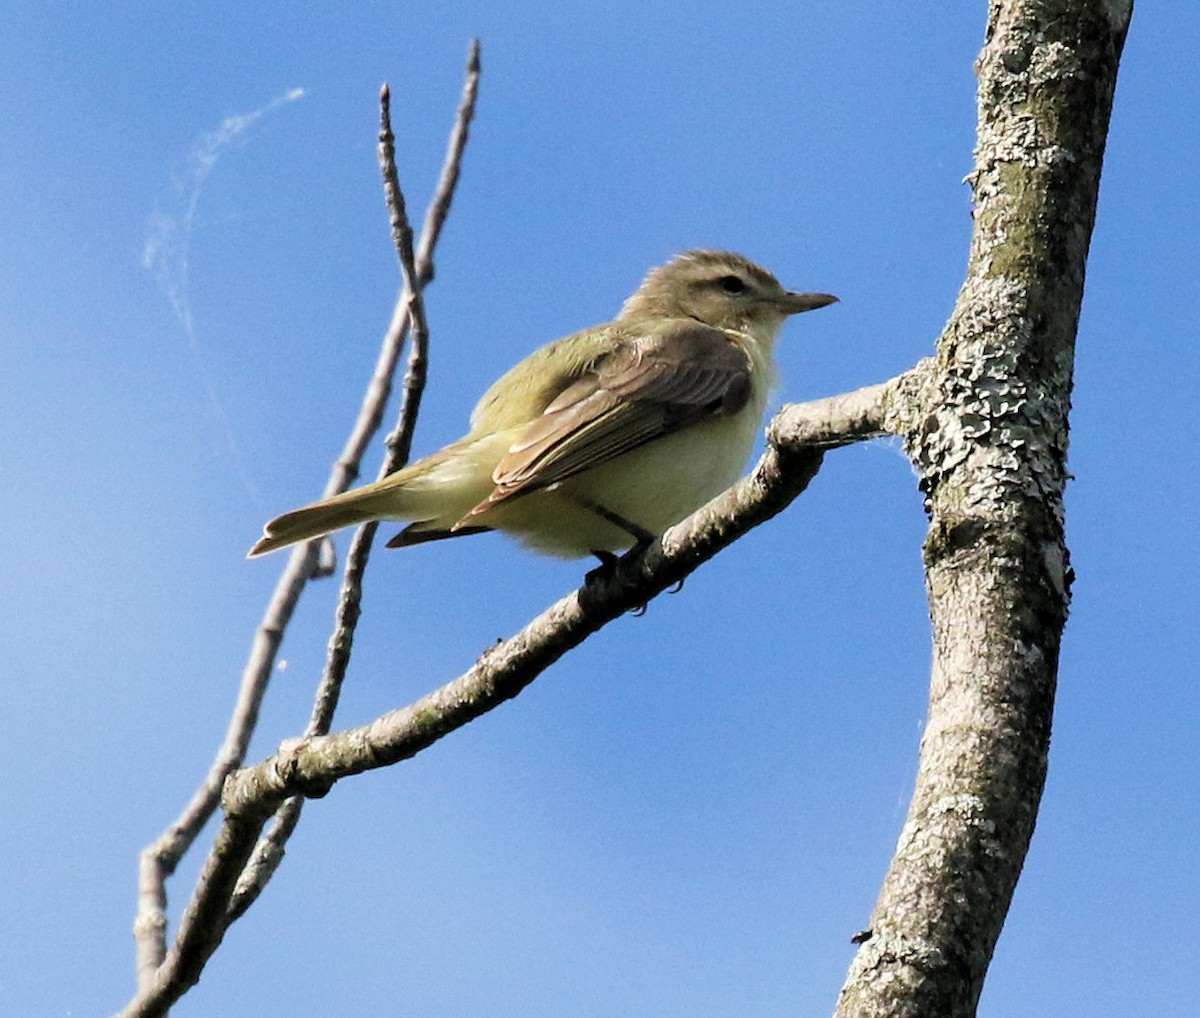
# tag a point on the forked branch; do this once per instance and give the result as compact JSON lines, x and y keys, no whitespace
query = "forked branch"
{"x":156,"y":968}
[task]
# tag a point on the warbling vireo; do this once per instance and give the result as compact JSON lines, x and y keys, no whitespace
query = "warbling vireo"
{"x":600,"y":441}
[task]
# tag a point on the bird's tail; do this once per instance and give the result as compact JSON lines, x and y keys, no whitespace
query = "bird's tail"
{"x":345,"y":510}
{"x":436,"y":492}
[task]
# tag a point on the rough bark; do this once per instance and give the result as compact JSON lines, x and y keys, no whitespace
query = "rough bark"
{"x":990,"y":443}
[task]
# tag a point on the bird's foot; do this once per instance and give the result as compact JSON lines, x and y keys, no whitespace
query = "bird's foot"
{"x":609,"y":561}
{"x":607,"y":566}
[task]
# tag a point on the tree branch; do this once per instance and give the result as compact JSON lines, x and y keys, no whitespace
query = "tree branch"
{"x":990,"y":444}
{"x":871,"y":412}
{"x":309,"y":766}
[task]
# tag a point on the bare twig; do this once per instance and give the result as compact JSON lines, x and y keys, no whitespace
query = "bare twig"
{"x":435,"y":217}
{"x":269,"y":852}
{"x":159,"y":859}
{"x":399,"y":442}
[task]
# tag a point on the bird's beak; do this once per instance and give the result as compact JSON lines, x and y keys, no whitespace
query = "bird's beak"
{"x":794,"y":303}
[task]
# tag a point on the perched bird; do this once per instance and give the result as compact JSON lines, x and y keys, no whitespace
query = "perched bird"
{"x":600,"y":441}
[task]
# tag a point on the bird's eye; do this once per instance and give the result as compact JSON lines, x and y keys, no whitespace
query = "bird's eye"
{"x":732,"y":284}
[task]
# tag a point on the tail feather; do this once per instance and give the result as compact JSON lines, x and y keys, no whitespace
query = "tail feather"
{"x":345,"y":510}
{"x":434,"y":493}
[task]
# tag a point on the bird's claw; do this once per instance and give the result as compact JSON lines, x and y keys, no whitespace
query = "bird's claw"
{"x":608,"y":564}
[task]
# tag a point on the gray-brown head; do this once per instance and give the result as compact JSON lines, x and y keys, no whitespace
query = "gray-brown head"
{"x":721,"y":289}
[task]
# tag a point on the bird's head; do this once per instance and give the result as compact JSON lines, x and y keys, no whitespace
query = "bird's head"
{"x":721,"y":289}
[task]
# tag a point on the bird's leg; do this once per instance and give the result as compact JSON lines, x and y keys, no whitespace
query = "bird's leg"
{"x":608,"y":559}
{"x":608,"y":562}
{"x":641,"y":536}
{"x":642,"y":539}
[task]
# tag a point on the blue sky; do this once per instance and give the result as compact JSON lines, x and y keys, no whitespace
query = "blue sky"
{"x":690,"y":816}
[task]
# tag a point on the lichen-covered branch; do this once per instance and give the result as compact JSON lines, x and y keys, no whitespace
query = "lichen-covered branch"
{"x":990,"y":444}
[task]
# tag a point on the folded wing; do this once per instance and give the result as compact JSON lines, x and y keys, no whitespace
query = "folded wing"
{"x":651,"y":385}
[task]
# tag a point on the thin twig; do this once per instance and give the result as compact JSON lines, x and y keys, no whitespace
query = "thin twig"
{"x":439,"y":208}
{"x":399,"y":442}
{"x":159,"y":859}
{"x":417,"y":271}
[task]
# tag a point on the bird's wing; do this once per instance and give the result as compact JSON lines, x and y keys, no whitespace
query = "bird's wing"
{"x":650,"y":385}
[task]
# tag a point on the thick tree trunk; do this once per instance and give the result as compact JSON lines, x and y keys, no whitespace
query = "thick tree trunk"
{"x":987,"y":429}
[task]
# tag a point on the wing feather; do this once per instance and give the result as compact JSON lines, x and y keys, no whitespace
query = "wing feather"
{"x":650,"y":385}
